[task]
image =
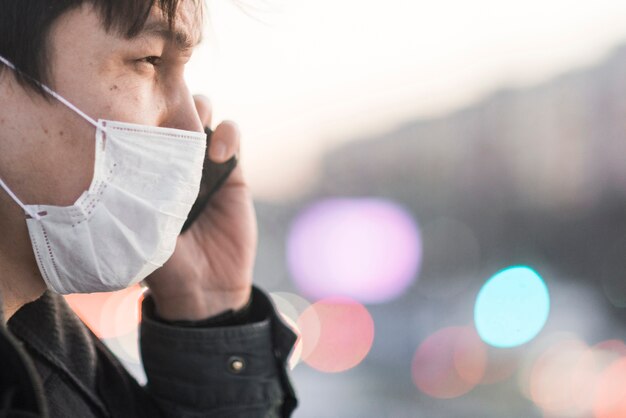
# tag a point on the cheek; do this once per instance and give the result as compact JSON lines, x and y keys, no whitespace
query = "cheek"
{"x":64,"y":163}
{"x":138,"y":103}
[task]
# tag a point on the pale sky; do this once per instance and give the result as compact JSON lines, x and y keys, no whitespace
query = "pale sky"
{"x":303,"y":76}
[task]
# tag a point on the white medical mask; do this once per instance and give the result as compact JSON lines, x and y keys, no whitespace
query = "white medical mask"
{"x":126,"y":225}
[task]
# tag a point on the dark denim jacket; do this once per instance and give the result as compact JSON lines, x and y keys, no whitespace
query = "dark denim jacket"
{"x":51,"y":365}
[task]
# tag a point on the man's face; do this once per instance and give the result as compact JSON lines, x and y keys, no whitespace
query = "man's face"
{"x":107,"y":76}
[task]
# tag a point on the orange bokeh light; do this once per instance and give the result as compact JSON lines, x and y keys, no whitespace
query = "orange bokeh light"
{"x":610,"y":393}
{"x":568,"y":378}
{"x":559,"y":377}
{"x":110,"y":314}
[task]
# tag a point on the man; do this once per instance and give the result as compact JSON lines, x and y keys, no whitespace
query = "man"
{"x":105,"y":77}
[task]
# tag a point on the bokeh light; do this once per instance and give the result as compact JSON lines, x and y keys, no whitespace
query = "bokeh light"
{"x":111,"y":314}
{"x":612,"y":346}
{"x":126,"y":346}
{"x":366,"y":249}
{"x":533,"y":352}
{"x":560,"y":378}
{"x":449,"y":363}
{"x":296,"y":353}
{"x":610,"y":393}
{"x":512,"y":307}
{"x":337,"y":334}
{"x":290,"y":306}
{"x":562,"y":374}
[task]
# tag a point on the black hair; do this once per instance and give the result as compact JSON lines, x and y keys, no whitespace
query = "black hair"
{"x":25,"y":25}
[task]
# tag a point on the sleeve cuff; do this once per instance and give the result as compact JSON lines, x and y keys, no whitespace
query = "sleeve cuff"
{"x":247,"y":356}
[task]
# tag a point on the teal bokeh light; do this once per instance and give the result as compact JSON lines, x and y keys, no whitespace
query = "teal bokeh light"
{"x":512,"y":307}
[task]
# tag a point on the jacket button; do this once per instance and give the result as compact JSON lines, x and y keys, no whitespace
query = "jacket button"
{"x":236,"y":364}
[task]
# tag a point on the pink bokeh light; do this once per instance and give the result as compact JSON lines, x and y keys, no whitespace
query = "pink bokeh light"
{"x":449,"y":363}
{"x":337,"y":334}
{"x":366,"y":249}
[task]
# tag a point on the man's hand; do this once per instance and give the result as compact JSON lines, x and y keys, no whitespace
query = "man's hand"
{"x":211,"y":268}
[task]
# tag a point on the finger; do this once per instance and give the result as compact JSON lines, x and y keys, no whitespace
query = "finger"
{"x":235,"y":178}
{"x":204,"y":108}
{"x":224,"y":142}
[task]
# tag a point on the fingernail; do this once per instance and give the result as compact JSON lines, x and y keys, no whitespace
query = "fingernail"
{"x":219,"y":153}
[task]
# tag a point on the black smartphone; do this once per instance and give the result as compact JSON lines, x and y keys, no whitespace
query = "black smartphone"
{"x":213,"y":177}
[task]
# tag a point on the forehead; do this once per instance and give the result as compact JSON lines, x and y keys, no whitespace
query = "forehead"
{"x":186,"y":28}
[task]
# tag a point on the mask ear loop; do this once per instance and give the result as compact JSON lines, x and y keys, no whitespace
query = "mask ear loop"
{"x":28,"y":210}
{"x":61,"y":99}
{"x":53,"y":93}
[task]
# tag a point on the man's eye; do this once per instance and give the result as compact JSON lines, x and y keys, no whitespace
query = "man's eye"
{"x":152,"y":60}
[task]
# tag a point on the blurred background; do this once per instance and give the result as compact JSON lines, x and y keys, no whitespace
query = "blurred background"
{"x":441,"y":195}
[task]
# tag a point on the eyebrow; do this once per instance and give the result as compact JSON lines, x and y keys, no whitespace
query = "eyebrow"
{"x":182,"y":39}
